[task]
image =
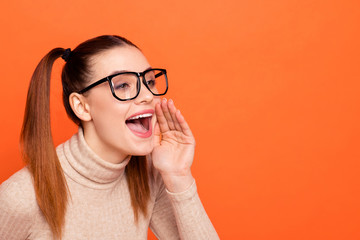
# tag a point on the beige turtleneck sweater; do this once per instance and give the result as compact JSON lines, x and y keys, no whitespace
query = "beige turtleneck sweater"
{"x":99,"y":206}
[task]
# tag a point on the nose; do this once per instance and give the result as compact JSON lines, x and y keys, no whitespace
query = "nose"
{"x":145,"y":96}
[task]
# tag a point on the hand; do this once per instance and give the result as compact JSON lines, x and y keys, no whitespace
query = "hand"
{"x":174,"y":147}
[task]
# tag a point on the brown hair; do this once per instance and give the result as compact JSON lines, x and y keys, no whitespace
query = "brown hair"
{"x":36,"y":139}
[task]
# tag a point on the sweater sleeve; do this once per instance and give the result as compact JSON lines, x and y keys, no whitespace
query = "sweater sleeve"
{"x":16,"y":215}
{"x":181,"y":216}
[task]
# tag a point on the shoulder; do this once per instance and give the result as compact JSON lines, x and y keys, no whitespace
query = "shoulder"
{"x":18,"y":206}
{"x":17,"y":193}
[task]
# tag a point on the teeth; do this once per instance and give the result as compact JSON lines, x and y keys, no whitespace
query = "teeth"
{"x":141,"y":116}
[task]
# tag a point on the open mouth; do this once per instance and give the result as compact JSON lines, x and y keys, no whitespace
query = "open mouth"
{"x":140,"y":124}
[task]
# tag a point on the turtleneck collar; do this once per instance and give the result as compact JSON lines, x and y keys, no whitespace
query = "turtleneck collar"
{"x":84,"y":166}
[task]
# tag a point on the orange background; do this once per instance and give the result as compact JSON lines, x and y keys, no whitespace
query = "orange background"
{"x":270,"y":89}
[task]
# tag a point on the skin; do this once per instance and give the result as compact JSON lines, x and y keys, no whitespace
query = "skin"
{"x":171,"y":144}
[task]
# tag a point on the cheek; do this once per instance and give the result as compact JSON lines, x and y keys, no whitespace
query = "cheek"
{"x":108,"y":113}
{"x":157,"y":100}
{"x":110,"y":116}
{"x":102,"y":101}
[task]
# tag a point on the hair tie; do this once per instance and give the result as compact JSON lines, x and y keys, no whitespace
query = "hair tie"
{"x":66,"y":54}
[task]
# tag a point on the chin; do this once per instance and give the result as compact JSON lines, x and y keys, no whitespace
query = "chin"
{"x":142,"y":150}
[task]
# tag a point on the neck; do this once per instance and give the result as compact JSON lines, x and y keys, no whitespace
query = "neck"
{"x":84,"y":166}
{"x":102,"y":149}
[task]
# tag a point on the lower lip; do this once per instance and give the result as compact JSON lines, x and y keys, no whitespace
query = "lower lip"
{"x":145,"y":134}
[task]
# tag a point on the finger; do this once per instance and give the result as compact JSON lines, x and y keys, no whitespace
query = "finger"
{"x":183,"y":124}
{"x":173,"y":109}
{"x":163,"y":126}
{"x":165,"y":109}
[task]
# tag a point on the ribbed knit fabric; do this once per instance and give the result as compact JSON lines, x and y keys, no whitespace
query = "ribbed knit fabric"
{"x":99,"y":203}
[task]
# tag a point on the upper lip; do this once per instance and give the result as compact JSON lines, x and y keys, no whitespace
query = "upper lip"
{"x":138,"y":114}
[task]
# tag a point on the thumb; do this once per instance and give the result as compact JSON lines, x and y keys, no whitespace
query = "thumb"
{"x":157,"y":135}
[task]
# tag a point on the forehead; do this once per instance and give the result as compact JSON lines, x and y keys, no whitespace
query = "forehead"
{"x":122,"y":58}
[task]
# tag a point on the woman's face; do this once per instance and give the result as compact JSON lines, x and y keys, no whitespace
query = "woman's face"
{"x":110,"y":133}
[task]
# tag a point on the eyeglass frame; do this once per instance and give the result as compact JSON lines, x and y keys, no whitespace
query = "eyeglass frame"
{"x":138,"y":75}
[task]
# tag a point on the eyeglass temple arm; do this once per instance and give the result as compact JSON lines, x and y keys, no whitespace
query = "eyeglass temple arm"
{"x":159,"y":74}
{"x":93,"y":85}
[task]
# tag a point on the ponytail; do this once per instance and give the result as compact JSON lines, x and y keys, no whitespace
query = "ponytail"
{"x":38,"y":148}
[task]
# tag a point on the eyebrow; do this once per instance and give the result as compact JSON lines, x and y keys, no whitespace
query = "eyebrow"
{"x":123,"y":71}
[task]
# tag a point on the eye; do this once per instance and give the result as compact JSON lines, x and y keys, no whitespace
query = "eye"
{"x":121,"y":86}
{"x":151,"y":83}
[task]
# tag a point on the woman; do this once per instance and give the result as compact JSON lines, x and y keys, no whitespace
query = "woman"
{"x":99,"y":184}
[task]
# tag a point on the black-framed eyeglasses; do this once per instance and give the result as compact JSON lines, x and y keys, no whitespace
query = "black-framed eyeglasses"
{"x":126,"y":85}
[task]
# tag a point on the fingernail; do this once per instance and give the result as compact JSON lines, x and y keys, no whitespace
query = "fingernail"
{"x":171,"y":101}
{"x":164,"y":99}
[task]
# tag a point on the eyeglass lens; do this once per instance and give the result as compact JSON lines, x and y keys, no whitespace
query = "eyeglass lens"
{"x":126,"y":85}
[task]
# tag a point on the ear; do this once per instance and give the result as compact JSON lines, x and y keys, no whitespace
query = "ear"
{"x":80,"y":107}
